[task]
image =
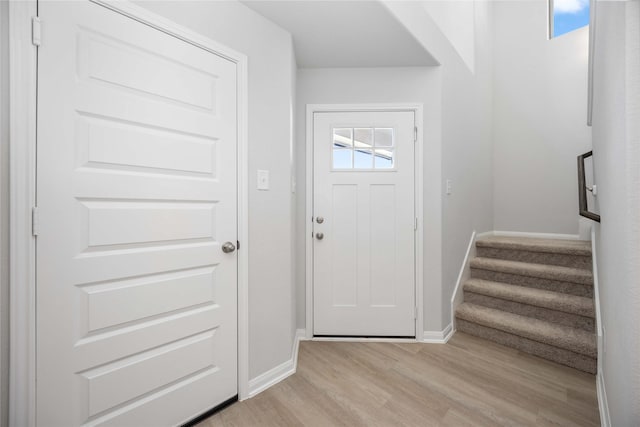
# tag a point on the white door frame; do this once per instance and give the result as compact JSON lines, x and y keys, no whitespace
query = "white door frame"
{"x":417,"y":109}
{"x":22,"y":192}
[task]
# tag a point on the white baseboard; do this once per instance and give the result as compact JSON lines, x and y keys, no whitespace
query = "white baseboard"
{"x":537,"y":235}
{"x":596,"y":298}
{"x":271,"y":377}
{"x":438,"y":337}
{"x":280,"y":372}
{"x":603,"y":405}
{"x":301,"y":335}
{"x":465,"y":273}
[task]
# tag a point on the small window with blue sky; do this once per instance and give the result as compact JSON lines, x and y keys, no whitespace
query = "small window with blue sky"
{"x":568,"y":15}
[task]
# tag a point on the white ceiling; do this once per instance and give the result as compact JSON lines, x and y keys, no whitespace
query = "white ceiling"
{"x":330,"y":33}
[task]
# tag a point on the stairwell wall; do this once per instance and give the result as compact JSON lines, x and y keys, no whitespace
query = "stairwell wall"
{"x":539,"y":119}
{"x":616,"y":147}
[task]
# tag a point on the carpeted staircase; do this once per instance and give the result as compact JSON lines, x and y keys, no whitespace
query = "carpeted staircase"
{"x":535,"y":295}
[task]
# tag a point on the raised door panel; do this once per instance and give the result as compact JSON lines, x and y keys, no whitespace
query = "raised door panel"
{"x":136,"y":302}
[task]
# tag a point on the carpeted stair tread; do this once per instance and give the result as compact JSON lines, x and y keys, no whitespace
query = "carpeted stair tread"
{"x":542,"y":271}
{"x":537,"y":297}
{"x":557,"y":246}
{"x":540,"y":313}
{"x":565,"y":253}
{"x":549,"y":352}
{"x":575,"y":340}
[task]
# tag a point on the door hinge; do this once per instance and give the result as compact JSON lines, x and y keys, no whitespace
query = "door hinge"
{"x":415,"y":134}
{"x":415,"y":223}
{"x":35,"y":221}
{"x":238,"y":244}
{"x":36,"y":31}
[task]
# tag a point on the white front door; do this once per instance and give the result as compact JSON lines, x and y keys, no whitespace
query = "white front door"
{"x":364,"y":220}
{"x":136,"y":191}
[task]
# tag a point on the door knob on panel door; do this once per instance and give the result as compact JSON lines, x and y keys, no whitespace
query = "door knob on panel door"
{"x":319,"y":220}
{"x":228,"y":247}
{"x":319,"y":236}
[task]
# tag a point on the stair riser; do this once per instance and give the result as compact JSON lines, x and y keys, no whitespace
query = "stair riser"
{"x":563,"y":260}
{"x":555,"y":354}
{"x":559,"y":317}
{"x":534,"y":282}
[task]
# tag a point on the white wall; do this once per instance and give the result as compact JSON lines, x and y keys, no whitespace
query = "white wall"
{"x":376,"y":85}
{"x":4,"y":213}
{"x":465,"y":134}
{"x":270,"y":56}
{"x":456,"y":20}
{"x":539,"y":125}
{"x":616,"y":148}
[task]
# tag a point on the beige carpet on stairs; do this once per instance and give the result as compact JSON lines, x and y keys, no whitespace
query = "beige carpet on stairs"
{"x":534,"y":295}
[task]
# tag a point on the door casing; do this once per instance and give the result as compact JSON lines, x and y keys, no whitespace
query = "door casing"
{"x":22,"y":196}
{"x":417,"y":109}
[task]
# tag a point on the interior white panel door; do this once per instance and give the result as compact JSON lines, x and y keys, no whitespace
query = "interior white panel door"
{"x":364,"y":242}
{"x":136,"y":191}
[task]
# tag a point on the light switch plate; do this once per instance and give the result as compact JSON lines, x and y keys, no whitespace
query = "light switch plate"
{"x":263,"y":180}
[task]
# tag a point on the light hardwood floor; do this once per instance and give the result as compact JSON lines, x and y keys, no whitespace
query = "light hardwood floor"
{"x":467,"y":382}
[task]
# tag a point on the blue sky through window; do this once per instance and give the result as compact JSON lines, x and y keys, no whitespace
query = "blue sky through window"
{"x":569,"y":15}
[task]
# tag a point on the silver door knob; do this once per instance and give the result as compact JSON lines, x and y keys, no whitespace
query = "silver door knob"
{"x":228,"y":247}
{"x":319,"y":236}
{"x":320,"y":220}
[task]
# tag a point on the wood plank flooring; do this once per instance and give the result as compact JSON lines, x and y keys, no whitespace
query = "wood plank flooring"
{"x":467,"y":382}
